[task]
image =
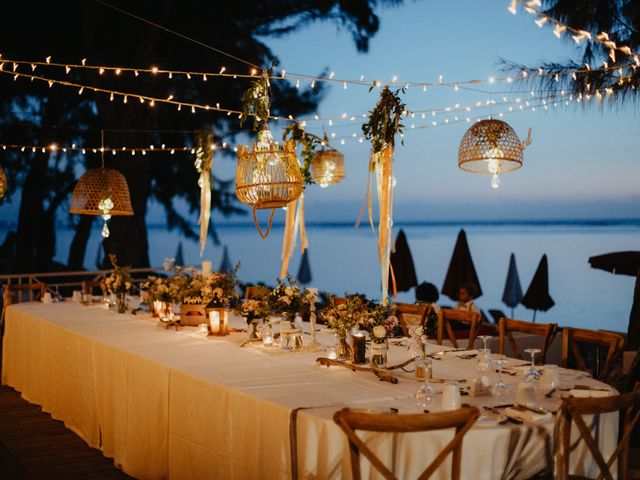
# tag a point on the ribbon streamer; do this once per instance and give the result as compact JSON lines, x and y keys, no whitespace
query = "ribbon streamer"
{"x":294,"y":225}
{"x":204,"y":163}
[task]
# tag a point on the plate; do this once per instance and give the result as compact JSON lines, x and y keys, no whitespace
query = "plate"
{"x":490,"y":420}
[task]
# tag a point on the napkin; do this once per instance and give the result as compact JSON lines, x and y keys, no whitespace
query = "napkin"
{"x":584,"y":391}
{"x":525,"y":415}
{"x":459,"y":353}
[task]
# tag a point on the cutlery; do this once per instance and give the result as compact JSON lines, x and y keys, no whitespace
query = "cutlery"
{"x":530,"y":409}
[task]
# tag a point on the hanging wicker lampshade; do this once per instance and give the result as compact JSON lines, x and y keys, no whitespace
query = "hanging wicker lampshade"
{"x":101,"y":191}
{"x":3,"y":183}
{"x":268,"y":175}
{"x":327,"y":167}
{"x":491,"y":146}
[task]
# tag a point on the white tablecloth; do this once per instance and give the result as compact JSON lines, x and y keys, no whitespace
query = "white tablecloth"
{"x":167,"y":404}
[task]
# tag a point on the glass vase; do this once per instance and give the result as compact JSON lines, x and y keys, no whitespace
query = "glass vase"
{"x":343,"y":349}
{"x":121,"y":302}
{"x":166,"y":312}
{"x":379,"y":354}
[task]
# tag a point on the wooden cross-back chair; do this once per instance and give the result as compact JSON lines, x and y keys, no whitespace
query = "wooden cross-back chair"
{"x":350,"y":421}
{"x":20,"y":292}
{"x":448,"y":315}
{"x":506,"y":326}
{"x":89,"y":286}
{"x":571,"y":337}
{"x":573,"y":410}
{"x":255,"y":291}
{"x":410,"y":315}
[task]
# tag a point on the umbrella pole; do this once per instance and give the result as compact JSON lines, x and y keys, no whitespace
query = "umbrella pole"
{"x":534,"y":315}
{"x":511,"y":312}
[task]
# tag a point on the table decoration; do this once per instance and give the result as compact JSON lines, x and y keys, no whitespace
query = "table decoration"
{"x":417,"y":348}
{"x":254,"y":310}
{"x":218,"y":317}
{"x":359,"y":348}
{"x":380,"y":324}
{"x":342,"y":318}
{"x":289,"y":299}
{"x":119,"y":282}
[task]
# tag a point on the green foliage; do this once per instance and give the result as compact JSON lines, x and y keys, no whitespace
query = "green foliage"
{"x":255,"y":102}
{"x":384,"y":120}
{"x":310,"y":143}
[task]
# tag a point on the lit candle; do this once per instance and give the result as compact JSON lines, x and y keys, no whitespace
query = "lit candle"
{"x":359,"y":348}
{"x":214,"y":322}
{"x":206,"y":267}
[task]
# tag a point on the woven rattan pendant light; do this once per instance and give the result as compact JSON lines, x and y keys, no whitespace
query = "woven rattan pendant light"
{"x":101,"y":191}
{"x":327,"y":167}
{"x":3,"y":183}
{"x":268,"y":175}
{"x":491,"y":147}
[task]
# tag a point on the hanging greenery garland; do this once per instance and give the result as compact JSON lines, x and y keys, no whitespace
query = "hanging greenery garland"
{"x":384,"y":120}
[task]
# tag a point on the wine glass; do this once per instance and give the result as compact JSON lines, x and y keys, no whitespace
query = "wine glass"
{"x":484,"y":357}
{"x":426,"y":392}
{"x":532,"y":373}
{"x":499,"y":387}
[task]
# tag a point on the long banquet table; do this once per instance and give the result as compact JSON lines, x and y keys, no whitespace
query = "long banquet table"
{"x":167,"y":404}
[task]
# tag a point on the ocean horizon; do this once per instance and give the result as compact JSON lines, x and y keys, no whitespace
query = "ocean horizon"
{"x":344,"y":259}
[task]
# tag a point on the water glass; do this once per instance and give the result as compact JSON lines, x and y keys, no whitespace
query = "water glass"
{"x":451,"y":396}
{"x":526,"y":394}
{"x":550,"y":376}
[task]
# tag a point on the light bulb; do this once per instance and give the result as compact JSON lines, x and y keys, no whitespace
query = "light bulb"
{"x":492,"y":166}
{"x":105,"y":230}
{"x":495,"y":181}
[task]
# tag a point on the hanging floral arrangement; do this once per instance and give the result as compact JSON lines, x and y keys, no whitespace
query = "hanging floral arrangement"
{"x":381,"y":129}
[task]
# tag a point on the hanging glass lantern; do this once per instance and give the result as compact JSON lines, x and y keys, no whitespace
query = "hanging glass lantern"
{"x":268,"y":176}
{"x":327,"y":167}
{"x":491,"y":147}
{"x":3,"y":183}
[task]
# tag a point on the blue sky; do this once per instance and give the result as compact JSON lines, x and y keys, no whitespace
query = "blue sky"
{"x":582,"y":163}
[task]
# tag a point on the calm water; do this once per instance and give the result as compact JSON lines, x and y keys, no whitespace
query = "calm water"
{"x":343,"y":258}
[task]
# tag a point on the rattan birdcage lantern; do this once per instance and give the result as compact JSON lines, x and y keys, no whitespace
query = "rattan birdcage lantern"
{"x":268,"y":176}
{"x":491,"y":147}
{"x":3,"y":183}
{"x":327,"y":167}
{"x":101,"y":191}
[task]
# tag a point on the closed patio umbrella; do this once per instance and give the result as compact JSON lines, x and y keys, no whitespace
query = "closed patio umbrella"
{"x":461,"y":269}
{"x":179,"y":255}
{"x":512,"y":290}
{"x":304,"y":272}
{"x":625,"y":263}
{"x":402,"y":263}
{"x":537,"y":296}
{"x":225,"y":264}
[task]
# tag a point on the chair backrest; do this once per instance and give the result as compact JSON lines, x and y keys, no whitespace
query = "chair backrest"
{"x":410,"y":315}
{"x":447,"y":315}
{"x":23,"y":292}
{"x":339,"y":300}
{"x":20,"y":292}
{"x":571,"y":337}
{"x":508,"y":325}
{"x":350,"y":421}
{"x":255,"y":291}
{"x":88,"y":286}
{"x":573,"y":410}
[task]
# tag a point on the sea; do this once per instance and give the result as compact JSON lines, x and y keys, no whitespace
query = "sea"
{"x":344,"y":259}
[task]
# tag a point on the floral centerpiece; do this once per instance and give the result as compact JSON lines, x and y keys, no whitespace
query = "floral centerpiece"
{"x":381,"y":324}
{"x":119,"y":282}
{"x":418,"y":348}
{"x":288,"y":299}
{"x":343,"y":317}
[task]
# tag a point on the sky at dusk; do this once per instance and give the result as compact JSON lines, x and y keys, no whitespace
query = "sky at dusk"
{"x":581,"y":163}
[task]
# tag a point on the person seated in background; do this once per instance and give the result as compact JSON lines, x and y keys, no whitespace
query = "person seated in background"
{"x":466,"y":294}
{"x":427,"y":293}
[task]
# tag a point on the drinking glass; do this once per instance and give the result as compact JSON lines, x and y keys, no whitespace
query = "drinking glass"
{"x":499,"y":387}
{"x":425,"y":393}
{"x":532,"y":373}
{"x":484,"y":357}
{"x":484,"y":339}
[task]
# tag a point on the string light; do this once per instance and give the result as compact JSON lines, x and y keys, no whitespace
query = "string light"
{"x":362,"y":80}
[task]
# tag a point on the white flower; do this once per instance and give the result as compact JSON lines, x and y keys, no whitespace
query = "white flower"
{"x":379,"y":331}
{"x":286,"y":299}
{"x":289,"y":291}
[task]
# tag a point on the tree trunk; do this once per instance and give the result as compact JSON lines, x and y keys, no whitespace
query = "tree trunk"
{"x":30,"y":255}
{"x":78,"y":248}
